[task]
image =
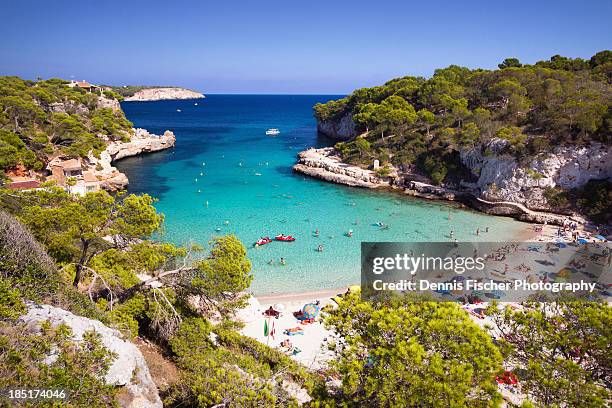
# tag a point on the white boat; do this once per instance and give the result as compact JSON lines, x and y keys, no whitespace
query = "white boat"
{"x":178,"y":110}
{"x":195,"y":104}
{"x":272,"y":132}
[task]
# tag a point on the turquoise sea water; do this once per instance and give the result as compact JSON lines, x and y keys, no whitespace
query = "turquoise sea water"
{"x":223,"y":157}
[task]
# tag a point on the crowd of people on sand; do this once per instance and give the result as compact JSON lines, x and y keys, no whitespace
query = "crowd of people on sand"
{"x":303,"y":317}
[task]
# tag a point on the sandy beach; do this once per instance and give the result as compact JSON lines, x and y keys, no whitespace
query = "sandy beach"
{"x":310,"y":347}
{"x":311,"y":343}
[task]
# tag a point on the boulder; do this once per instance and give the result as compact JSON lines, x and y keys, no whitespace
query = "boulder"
{"x":129,"y":370}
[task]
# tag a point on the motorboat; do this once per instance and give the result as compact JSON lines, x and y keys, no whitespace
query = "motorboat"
{"x":283,"y":237}
{"x":263,"y":241}
{"x":272,"y":132}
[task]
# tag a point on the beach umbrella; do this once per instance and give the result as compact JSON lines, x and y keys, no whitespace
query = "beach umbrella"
{"x":310,"y":310}
{"x":600,"y":237}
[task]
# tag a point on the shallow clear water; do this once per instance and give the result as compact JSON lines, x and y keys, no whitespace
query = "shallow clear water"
{"x":223,"y":157}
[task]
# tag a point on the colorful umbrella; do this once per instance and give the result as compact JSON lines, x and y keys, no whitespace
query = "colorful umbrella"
{"x":310,"y":310}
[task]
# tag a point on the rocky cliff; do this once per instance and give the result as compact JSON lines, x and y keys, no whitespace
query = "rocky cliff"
{"x":157,"y":94}
{"x":141,"y":142}
{"x":502,"y":178}
{"x":340,"y":129}
{"x":129,"y":369}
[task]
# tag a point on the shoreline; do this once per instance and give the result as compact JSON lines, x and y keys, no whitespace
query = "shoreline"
{"x":324,"y":164}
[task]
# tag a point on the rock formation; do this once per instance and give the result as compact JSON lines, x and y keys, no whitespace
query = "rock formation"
{"x":157,"y":94}
{"x":141,"y":142}
{"x":339,"y":129}
{"x":502,"y":178}
{"x":326,"y":165}
{"x":129,"y":370}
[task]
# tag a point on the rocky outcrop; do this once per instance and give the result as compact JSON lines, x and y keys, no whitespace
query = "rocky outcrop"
{"x":140,"y":142}
{"x":326,"y":165}
{"x":340,"y":129}
{"x":502,"y":178}
{"x":111,"y":103}
{"x":157,"y":94}
{"x":129,"y":370}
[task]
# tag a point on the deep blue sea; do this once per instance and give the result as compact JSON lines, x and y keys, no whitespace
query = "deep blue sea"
{"x":226,"y":176}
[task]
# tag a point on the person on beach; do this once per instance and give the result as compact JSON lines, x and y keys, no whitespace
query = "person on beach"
{"x":477,"y":231}
{"x":452,"y":234}
{"x":487,"y":229}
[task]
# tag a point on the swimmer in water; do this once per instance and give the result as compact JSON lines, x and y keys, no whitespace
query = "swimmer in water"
{"x":282,"y":261}
{"x":316,"y":232}
{"x":349,"y":233}
{"x":320,"y":248}
{"x":271,"y":262}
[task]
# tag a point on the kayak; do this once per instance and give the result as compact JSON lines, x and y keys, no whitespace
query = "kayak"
{"x":263,"y":241}
{"x":283,"y":237}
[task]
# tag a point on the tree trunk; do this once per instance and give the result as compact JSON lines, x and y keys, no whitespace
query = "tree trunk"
{"x":80,"y":264}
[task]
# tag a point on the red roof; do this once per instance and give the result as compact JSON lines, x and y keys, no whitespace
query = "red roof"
{"x":84,"y":84}
{"x":22,"y":185}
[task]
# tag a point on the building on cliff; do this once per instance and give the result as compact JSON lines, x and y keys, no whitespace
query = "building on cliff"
{"x":69,"y":174}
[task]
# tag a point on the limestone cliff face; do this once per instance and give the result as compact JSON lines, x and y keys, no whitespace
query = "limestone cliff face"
{"x":342,"y":129}
{"x":157,"y":94}
{"x":502,"y":178}
{"x":129,"y":370}
{"x":141,"y":142}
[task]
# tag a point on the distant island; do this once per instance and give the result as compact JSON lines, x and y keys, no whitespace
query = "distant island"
{"x":154,"y":93}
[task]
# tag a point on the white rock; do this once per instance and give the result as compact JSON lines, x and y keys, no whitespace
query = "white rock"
{"x":129,"y":368}
{"x":157,"y":94}
{"x":501,"y":177}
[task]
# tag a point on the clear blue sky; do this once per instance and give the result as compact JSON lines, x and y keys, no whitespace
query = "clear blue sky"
{"x":289,"y":46}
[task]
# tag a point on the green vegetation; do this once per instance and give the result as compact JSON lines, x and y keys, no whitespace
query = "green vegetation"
{"x":40,"y":118}
{"x":562,"y":350}
{"x":70,"y":262}
{"x":407,"y":354}
{"x":421,"y":123}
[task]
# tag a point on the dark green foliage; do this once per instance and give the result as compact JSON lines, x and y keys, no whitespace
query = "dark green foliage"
{"x":595,"y":200}
{"x":413,"y":354}
{"x":43,"y":117}
{"x":221,"y":366}
{"x":556,"y":102}
{"x":562,"y":349}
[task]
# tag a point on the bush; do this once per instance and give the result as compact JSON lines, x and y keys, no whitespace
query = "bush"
{"x":79,"y":368}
